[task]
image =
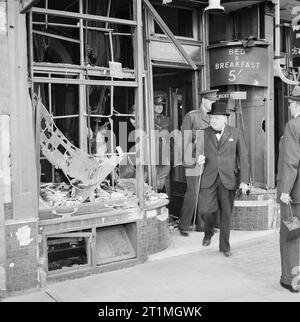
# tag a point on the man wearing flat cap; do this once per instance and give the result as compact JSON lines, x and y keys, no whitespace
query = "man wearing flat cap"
{"x":288,"y":192}
{"x":192,"y":128}
{"x":225,"y":161}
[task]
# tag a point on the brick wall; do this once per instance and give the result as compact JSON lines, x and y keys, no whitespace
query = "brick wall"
{"x":152,"y":235}
{"x":154,"y":232}
{"x":21,"y":256}
{"x":257,"y":211}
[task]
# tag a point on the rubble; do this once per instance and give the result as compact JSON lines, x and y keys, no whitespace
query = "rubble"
{"x":56,"y":195}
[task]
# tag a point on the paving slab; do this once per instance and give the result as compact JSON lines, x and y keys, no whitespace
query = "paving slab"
{"x":186,"y":272}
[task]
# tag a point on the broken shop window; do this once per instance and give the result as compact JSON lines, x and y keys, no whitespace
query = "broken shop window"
{"x":80,"y":177}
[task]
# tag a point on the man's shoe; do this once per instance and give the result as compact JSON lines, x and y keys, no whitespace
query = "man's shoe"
{"x":227,"y":253}
{"x":289,"y":287}
{"x":184,"y":233}
{"x":206,"y":241}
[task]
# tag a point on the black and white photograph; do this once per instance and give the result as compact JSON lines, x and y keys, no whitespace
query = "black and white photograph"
{"x":149,"y":155}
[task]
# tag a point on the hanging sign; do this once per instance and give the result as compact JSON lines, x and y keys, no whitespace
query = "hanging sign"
{"x":295,"y":42}
{"x":295,"y":33}
{"x":233,"y":95}
{"x":115,"y":69}
{"x":238,"y":65}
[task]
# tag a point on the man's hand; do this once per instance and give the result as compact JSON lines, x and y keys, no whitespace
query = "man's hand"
{"x":285,"y":198}
{"x":201,"y":159}
{"x":244,"y":187}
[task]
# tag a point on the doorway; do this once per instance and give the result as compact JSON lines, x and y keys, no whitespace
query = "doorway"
{"x":176,"y":84}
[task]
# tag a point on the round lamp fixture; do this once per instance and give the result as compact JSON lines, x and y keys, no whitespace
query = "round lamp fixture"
{"x":214,"y":7}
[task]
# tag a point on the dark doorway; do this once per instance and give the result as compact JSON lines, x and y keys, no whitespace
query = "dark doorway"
{"x":177,"y":86}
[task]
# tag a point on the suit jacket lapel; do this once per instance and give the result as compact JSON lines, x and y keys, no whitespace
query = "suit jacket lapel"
{"x":213,"y":137}
{"x":225,"y":136}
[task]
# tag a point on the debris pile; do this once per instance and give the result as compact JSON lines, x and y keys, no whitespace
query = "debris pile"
{"x":55,"y":195}
{"x":150,"y":195}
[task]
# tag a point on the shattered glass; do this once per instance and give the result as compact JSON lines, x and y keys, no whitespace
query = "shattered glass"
{"x":74,"y":162}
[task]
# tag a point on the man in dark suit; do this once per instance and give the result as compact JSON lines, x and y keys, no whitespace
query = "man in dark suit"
{"x":225,"y":157}
{"x":288,"y":191}
{"x":192,"y":128}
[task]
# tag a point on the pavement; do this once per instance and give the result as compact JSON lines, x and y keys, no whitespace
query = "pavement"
{"x":184,"y":272}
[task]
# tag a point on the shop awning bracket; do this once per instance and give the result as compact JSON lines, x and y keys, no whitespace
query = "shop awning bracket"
{"x":169,"y":34}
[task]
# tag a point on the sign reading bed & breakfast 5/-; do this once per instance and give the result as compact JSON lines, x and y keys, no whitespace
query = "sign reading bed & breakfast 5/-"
{"x":238,"y":65}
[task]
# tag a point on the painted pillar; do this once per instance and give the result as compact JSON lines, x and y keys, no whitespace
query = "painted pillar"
{"x":18,"y":179}
{"x":5,"y":178}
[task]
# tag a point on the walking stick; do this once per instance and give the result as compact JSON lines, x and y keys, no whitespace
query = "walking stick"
{"x":196,"y":201}
{"x":200,"y":144}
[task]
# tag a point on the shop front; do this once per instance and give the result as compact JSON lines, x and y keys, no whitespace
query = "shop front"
{"x":82,"y":200}
{"x":241,"y":67}
{"x":81,"y":193}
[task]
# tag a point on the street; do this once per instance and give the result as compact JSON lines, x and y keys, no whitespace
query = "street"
{"x":185,"y":272}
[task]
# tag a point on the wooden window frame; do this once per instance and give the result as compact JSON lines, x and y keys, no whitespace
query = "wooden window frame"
{"x":195,"y":21}
{"x":83,"y":80}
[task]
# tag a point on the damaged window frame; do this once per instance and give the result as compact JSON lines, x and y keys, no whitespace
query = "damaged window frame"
{"x":194,"y":29}
{"x":43,"y":74}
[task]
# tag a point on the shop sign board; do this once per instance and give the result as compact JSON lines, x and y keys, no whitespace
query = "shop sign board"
{"x":295,"y":33}
{"x":115,"y":69}
{"x":238,"y":65}
{"x":233,"y":95}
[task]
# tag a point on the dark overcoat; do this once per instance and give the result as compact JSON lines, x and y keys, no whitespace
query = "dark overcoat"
{"x":289,"y":163}
{"x":193,"y":124}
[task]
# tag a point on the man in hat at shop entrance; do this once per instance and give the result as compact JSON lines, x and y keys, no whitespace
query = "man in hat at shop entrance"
{"x":192,"y":128}
{"x":162,"y":125}
{"x":288,"y":193}
{"x":225,"y":156}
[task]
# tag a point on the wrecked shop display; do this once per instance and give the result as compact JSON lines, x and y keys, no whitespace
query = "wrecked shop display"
{"x":55,"y":195}
{"x":63,"y":195}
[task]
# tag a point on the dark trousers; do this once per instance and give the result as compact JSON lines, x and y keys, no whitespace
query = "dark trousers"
{"x":188,"y":207}
{"x":217,"y":196}
{"x":289,"y":250}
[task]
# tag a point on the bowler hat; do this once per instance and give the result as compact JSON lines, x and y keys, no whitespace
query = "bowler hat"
{"x":218,"y":108}
{"x":295,"y":95}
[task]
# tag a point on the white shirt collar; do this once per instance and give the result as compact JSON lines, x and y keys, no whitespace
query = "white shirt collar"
{"x":219,"y":135}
